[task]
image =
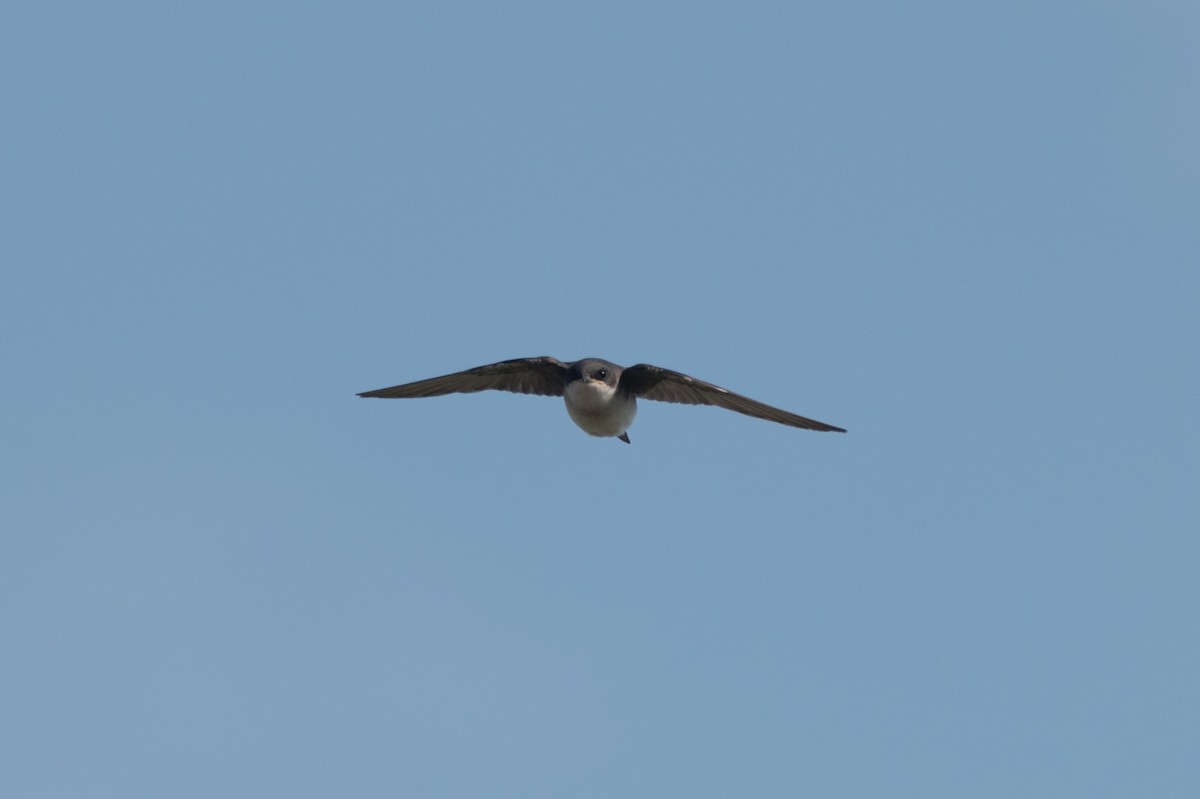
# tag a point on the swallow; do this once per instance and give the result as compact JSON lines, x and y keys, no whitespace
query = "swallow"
{"x":601,"y":397}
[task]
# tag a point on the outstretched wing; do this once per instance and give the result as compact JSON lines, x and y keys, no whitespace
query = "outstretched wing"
{"x":656,"y":383}
{"x":546,"y":376}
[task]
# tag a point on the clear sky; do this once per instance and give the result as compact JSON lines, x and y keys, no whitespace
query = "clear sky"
{"x":970,"y":233}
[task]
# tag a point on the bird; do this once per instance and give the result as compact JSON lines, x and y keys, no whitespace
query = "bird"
{"x":601,"y":397}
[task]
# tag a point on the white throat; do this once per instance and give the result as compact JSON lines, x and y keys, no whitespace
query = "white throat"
{"x":598,"y":408}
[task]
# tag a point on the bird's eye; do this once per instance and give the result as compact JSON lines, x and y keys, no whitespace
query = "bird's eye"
{"x":601,"y":374}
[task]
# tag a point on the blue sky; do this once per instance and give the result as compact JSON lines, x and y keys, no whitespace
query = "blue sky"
{"x":968,"y":233}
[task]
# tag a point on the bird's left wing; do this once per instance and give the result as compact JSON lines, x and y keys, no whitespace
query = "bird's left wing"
{"x":656,"y":383}
{"x":546,"y":376}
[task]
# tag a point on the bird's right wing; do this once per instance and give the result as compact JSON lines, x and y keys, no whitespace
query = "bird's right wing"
{"x":546,"y":376}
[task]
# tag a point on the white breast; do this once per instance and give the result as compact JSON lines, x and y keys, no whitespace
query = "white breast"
{"x":598,"y":409}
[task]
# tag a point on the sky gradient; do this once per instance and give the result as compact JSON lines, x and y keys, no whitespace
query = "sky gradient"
{"x":967,"y":234}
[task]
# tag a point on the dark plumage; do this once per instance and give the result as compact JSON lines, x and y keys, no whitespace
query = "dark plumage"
{"x":613,"y":391}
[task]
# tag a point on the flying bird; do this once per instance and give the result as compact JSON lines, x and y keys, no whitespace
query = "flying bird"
{"x":601,"y":397}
